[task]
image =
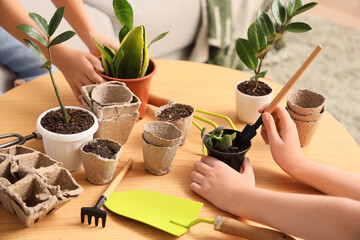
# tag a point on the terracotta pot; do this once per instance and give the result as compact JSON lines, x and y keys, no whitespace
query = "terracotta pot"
{"x":234,"y":160}
{"x":139,"y":86}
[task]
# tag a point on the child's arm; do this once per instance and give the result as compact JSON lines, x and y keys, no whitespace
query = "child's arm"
{"x":305,"y":216}
{"x":287,"y":153}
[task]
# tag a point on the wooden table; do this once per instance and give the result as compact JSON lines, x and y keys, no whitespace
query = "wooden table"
{"x":203,"y":86}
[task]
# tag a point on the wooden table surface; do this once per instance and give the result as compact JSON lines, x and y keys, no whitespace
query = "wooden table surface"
{"x":203,"y":86}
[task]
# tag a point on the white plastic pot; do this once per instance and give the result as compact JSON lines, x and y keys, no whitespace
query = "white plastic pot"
{"x":65,"y":148}
{"x":247,"y":106}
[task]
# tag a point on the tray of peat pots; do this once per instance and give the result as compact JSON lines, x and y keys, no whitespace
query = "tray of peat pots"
{"x":160,"y":142}
{"x":306,"y":109}
{"x":115,"y":107}
{"x":100,"y":158}
{"x":224,"y":144}
{"x":180,"y":115}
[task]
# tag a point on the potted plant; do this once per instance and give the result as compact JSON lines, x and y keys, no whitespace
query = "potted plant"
{"x":130,"y":63}
{"x":63,"y":130}
{"x":262,"y":35}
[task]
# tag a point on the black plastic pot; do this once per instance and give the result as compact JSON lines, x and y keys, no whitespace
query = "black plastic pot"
{"x":234,"y":160}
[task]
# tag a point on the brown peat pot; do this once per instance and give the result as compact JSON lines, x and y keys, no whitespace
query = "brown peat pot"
{"x":233,"y":159}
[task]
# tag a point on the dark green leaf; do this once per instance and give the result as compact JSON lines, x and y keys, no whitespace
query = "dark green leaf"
{"x":256,"y":36}
{"x":110,"y":51}
{"x":225,"y":143}
{"x":123,"y":12}
{"x":265,"y":23}
{"x":106,"y":56}
{"x":246,"y":53}
{"x":62,"y":38}
{"x":124,"y":30}
{"x":260,"y":75}
{"x":292,"y":6}
{"x":33,"y":33}
{"x":298,"y":27}
{"x":305,"y":8}
{"x":40,"y":22}
{"x":158,"y":38}
{"x":47,"y":65}
{"x":106,"y":67}
{"x":36,"y":50}
{"x":55,"y":20}
{"x":278,"y":12}
{"x":117,"y":61}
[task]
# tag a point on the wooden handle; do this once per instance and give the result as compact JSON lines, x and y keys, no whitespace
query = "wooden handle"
{"x":157,"y":101}
{"x":293,"y":80}
{"x":233,"y":227}
{"x":118,"y":178}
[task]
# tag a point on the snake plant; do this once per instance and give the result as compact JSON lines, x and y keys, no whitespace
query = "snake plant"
{"x":131,"y":60}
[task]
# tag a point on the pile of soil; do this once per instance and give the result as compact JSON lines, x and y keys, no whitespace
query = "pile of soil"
{"x":79,"y":121}
{"x":175,"y":112}
{"x":100,"y":149}
{"x":248,"y":87}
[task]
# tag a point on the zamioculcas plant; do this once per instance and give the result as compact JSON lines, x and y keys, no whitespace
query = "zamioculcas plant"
{"x":131,"y":60}
{"x":262,"y":34}
{"x":48,"y":29}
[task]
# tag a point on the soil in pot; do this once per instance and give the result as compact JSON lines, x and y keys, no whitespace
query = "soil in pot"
{"x":175,"y":112}
{"x":79,"y":121}
{"x":99,"y":148}
{"x":248,"y":87}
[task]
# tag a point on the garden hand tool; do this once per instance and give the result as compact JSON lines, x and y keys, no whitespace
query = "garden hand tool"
{"x":20,"y":140}
{"x":96,"y":211}
{"x":176,"y":215}
{"x":250,"y":130}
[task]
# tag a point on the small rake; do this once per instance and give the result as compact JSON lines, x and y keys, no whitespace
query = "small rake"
{"x":96,"y":211}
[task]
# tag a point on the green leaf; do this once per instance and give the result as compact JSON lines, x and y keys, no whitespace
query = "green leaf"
{"x":36,"y":50}
{"x":123,"y":12}
{"x":256,"y":36}
{"x":106,"y":56}
{"x":233,"y":136}
{"x":305,"y":8}
{"x":246,"y":53}
{"x":62,"y":38}
{"x":209,"y":142}
{"x":33,"y":33}
{"x":225,"y":143}
{"x":117,"y":61}
{"x":218,"y":129}
{"x":265,"y":23}
{"x":40,"y":22}
{"x":298,"y":27}
{"x":260,"y":75}
{"x":47,"y":65}
{"x":145,"y":58}
{"x":278,"y":12}
{"x":292,"y":6}
{"x":158,"y":38}
{"x":123,"y":32}
{"x":203,"y":132}
{"x":110,"y":51}
{"x":106,"y":67}
{"x":55,"y":20}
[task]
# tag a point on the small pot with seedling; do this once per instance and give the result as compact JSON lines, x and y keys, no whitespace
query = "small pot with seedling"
{"x":252,"y":94}
{"x":130,"y":63}
{"x":63,"y":129}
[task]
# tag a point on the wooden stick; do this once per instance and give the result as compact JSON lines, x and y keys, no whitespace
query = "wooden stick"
{"x":293,"y":80}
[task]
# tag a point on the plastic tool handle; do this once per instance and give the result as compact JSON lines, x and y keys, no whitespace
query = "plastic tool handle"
{"x":158,"y":101}
{"x":293,"y":80}
{"x":233,"y":227}
{"x":118,"y":178}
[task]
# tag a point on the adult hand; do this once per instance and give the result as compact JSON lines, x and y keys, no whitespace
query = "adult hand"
{"x":219,"y":183}
{"x":79,"y":68}
{"x":281,"y":134}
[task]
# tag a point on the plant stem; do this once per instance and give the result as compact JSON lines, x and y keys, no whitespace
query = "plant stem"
{"x":63,"y":109}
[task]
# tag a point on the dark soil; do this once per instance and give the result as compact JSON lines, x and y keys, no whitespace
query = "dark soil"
{"x":79,"y":121}
{"x":176,"y":112}
{"x":248,"y":87}
{"x":99,"y":148}
{"x":232,"y":149}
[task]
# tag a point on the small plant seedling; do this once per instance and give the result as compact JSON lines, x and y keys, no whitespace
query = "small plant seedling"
{"x":48,"y":29}
{"x":217,"y":138}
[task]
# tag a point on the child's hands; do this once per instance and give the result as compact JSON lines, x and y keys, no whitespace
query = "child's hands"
{"x":219,"y":183}
{"x":283,"y":139}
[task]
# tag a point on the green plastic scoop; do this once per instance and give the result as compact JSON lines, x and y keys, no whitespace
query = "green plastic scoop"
{"x":176,"y":215}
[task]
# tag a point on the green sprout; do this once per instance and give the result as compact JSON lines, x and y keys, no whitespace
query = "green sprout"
{"x":48,"y":29}
{"x":218,"y":139}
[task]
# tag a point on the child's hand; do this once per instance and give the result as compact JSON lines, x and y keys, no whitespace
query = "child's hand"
{"x":219,"y":183}
{"x":283,"y":139}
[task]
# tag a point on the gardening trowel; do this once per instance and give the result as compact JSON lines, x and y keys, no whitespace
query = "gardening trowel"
{"x":176,"y":215}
